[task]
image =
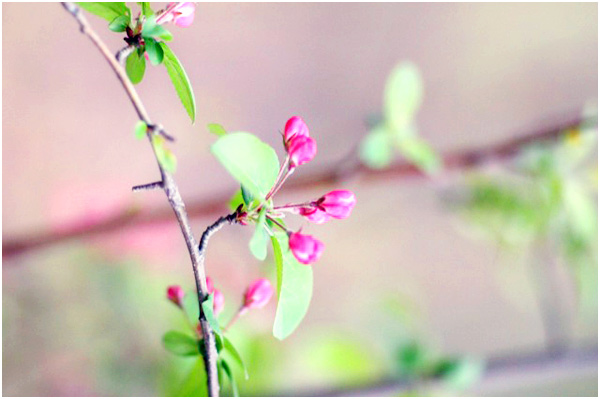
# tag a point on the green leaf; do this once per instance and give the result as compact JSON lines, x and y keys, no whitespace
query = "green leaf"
{"x":135,"y":66}
{"x":106,"y":10}
{"x":207,"y":308}
{"x":120,"y":23}
{"x":165,"y":157}
{"x":190,"y":386}
{"x":294,"y":288}
{"x":419,"y":152}
{"x":155,"y":31}
{"x":403,"y":95}
{"x":413,"y":359}
{"x":230,"y":349}
{"x":155,"y":51}
{"x":376,"y":148}
{"x":180,"y":80}
{"x":258,"y":242}
{"x":250,"y":161}
{"x":146,"y":9}
{"x":459,"y":374}
{"x":180,"y":344}
{"x":236,"y":200}
{"x":140,"y":130}
{"x":229,"y":374}
{"x":217,"y":129}
{"x":247,"y":196}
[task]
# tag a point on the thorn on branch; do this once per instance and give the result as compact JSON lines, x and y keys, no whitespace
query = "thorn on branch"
{"x":149,"y":186}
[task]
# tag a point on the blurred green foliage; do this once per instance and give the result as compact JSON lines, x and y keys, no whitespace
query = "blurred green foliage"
{"x":402,"y":99}
{"x":548,"y":195}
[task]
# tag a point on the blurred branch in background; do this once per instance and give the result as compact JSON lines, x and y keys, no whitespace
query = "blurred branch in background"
{"x":500,"y":375}
{"x":350,"y":166}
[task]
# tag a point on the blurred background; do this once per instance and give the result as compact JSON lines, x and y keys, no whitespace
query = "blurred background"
{"x":479,"y":280}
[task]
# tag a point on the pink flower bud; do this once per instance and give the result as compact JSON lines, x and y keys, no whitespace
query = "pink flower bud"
{"x":294,"y":127}
{"x":315,"y":215}
{"x":218,"y":302}
{"x":338,"y":203}
{"x":175,"y":294}
{"x":305,"y":248}
{"x":181,"y":14}
{"x":302,"y":149}
{"x":258,"y":294}
{"x":209,"y":285}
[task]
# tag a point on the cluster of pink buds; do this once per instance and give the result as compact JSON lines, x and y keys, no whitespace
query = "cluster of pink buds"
{"x":257,"y":295}
{"x":181,"y":14}
{"x":338,"y":204}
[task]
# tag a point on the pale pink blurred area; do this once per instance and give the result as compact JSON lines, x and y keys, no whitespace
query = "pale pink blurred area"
{"x":86,"y":316}
{"x":78,"y":204}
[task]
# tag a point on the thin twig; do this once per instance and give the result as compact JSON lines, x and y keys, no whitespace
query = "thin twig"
{"x":122,"y":54}
{"x":338,"y":172}
{"x":175,"y":201}
{"x":148,"y":186}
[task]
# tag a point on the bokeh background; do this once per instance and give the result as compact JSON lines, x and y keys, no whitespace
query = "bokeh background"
{"x":406,"y":275}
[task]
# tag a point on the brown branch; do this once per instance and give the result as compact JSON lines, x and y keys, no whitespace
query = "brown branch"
{"x":342,"y":170}
{"x":175,"y":201}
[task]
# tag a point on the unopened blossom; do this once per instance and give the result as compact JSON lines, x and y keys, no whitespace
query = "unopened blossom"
{"x":209,"y":285}
{"x":181,"y":14}
{"x":306,"y":248}
{"x":258,"y":294}
{"x":314,"y":214}
{"x":294,"y":127}
{"x":302,"y":149}
{"x":175,"y":294}
{"x":337,"y":204}
{"x":218,"y":301}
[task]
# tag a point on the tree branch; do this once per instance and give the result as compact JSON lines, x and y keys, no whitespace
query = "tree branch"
{"x":348,"y":167}
{"x":172,"y":192}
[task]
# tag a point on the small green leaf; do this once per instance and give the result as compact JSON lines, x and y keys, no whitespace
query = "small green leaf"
{"x":258,"y":242}
{"x":419,"y":152}
{"x":155,"y":51}
{"x":247,"y":196}
{"x":376,"y":149}
{"x":207,"y":308}
{"x":140,"y":130}
{"x":217,"y":129}
{"x":236,"y":200}
{"x":251,"y":162}
{"x":106,"y":10}
{"x":230,"y":349}
{"x":180,"y":80}
{"x":135,"y":66}
{"x":120,"y":23}
{"x":165,"y":157}
{"x":294,"y":288}
{"x":403,"y":95}
{"x":229,"y":374}
{"x":146,"y":9}
{"x":413,"y":359}
{"x":153,"y":30}
{"x":458,"y":373}
{"x":180,"y":344}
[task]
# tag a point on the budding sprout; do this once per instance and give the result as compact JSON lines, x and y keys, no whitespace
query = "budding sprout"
{"x":258,"y":294}
{"x":305,"y":248}
{"x":175,"y":294}
{"x":181,"y":14}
